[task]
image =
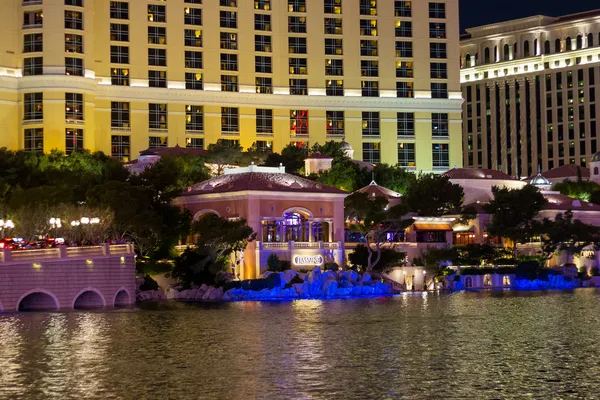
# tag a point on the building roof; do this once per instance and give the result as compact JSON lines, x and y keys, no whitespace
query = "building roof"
{"x":317,"y":155}
{"x":540,"y":180}
{"x":256,"y":178}
{"x":472,"y":173}
{"x":564,"y":172}
{"x":173,"y":152}
{"x":363,"y":164}
{"x":374,"y":190}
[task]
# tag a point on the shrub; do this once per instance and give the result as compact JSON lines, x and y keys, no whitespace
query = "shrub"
{"x":331,"y":267}
{"x":274,"y":263}
{"x":296,"y":279}
{"x":149,"y":284}
{"x":595,"y":271}
{"x":285,"y":265}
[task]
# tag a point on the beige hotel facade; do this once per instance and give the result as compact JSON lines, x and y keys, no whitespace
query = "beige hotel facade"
{"x":123,"y":76}
{"x":530,"y":88}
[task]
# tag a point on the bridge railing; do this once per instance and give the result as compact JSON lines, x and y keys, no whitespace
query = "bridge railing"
{"x":7,"y":255}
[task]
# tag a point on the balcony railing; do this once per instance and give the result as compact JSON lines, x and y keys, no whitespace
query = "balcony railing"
{"x":299,"y":245}
{"x":62,"y":252}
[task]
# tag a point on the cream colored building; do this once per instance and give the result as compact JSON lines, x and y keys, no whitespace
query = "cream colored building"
{"x":530,"y":90}
{"x":122,"y":76}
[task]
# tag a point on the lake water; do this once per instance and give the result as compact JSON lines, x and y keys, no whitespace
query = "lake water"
{"x":492,"y":345}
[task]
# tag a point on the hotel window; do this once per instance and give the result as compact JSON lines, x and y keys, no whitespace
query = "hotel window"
{"x":229,"y":83}
{"x":441,"y":156}
{"x":119,"y":76}
{"x":368,"y":7}
{"x":33,"y":43}
{"x":403,"y":28}
{"x":369,"y":68}
{"x":157,"y":57}
{"x":266,"y":146}
{"x":299,"y":122}
{"x":264,"y":121}
{"x":33,"y":66}
{"x":75,"y":3}
{"x":228,"y":19}
{"x":193,"y":38}
{"x":404,"y":49}
{"x":332,"y":7}
{"x":73,"y":66}
{"x":334,"y":47}
{"x":406,"y":124}
{"x":368,"y":27}
{"x":230,"y":120}
{"x":229,"y":41}
{"x":333,"y":26}
{"x":370,"y":123}
{"x":437,"y":50}
{"x":192,"y":16}
{"x":155,"y":142}
{"x":403,"y":9}
{"x":193,"y":59}
{"x":298,"y":66}
{"x":33,"y":106}
{"x":73,"y":20}
{"x":370,"y":88}
{"x":437,"y":10}
{"x":439,"y":71}
{"x":262,"y":5}
{"x":264,"y":85}
{"x":299,"y":87}
{"x":334,"y":87}
{"x":262,"y":43}
{"x":33,"y":19}
{"x":157,"y":79}
{"x":297,"y":45}
{"x":73,"y":140}
{"x":193,"y":1}
{"x":439,"y":90}
{"x":119,"y":32}
{"x":157,"y":35}
{"x":34,"y":140}
{"x":73,"y":106}
{"x":404,"y":89}
{"x":194,"y":143}
{"x":119,"y":10}
{"x":263,"y":64}
{"x":119,"y":114}
{"x":229,"y":62}
{"x":194,"y":118}
{"x":119,"y":54}
{"x":439,"y":124}
{"x":297,"y":5}
{"x":372,"y":152}
{"x":334,"y":67}
{"x":228,"y":3}
{"x":369,"y":48}
{"x":157,"y":114}
{"x":437,"y":30}
{"x":406,"y":155}
{"x":120,"y":147}
{"x":262,"y":22}
{"x":157,"y":13}
{"x":297,"y":24}
{"x":404,"y":69}
{"x":335,"y":123}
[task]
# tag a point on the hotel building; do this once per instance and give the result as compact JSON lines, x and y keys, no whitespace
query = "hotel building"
{"x":530,"y":90}
{"x":123,"y":76}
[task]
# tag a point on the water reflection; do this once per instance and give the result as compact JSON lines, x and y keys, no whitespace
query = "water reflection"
{"x":464,"y":345}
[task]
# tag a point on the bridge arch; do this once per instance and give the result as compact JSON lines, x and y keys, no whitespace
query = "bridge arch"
{"x":122,"y":298}
{"x":38,"y":300}
{"x":88,"y":298}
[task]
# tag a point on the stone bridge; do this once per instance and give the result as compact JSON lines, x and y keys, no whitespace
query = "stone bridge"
{"x":67,"y":278}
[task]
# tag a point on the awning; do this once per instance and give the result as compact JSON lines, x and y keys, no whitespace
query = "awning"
{"x":433,"y":227}
{"x":463,"y":228}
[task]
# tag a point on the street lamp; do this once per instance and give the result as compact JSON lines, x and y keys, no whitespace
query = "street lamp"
{"x":4,"y":225}
{"x":85,"y":220}
{"x":55,"y":223}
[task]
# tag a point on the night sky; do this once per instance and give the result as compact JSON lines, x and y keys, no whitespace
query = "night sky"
{"x":483,"y":12}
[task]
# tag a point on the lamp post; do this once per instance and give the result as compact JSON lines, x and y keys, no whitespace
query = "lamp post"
{"x":55,"y":223}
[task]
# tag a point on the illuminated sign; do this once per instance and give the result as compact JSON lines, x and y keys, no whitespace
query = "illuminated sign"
{"x":308,"y":260}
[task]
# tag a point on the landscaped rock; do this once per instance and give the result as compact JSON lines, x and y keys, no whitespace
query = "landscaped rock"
{"x":206,"y":295}
{"x":366,"y":278}
{"x":216,"y":294}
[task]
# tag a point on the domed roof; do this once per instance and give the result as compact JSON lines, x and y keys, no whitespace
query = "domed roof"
{"x":539,"y":180}
{"x":596,"y":157}
{"x":346,"y":145}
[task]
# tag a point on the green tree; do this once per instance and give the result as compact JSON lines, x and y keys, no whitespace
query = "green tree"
{"x":513,"y":211}
{"x":433,"y":196}
{"x":389,"y":259}
{"x":372,"y":217}
{"x":345,"y":175}
{"x":223,"y":153}
{"x":579,"y":189}
{"x":331,"y":148}
{"x":291,"y":157}
{"x":566,"y":234}
{"x":395,"y":178}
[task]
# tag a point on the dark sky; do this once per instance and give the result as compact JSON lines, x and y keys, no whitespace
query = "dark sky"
{"x":483,"y":12}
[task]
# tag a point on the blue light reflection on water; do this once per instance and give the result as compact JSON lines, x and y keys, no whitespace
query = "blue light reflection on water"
{"x":463,"y":345}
